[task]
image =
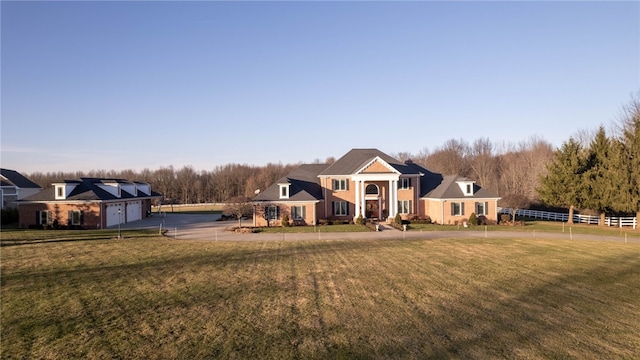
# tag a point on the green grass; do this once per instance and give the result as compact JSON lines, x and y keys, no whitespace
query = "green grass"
{"x":152,"y":297}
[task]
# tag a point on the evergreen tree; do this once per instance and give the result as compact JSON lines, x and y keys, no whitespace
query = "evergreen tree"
{"x":629,"y":159}
{"x":600,"y":192}
{"x":563,"y":184}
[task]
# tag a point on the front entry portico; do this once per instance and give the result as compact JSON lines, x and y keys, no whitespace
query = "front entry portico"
{"x":365,"y":197}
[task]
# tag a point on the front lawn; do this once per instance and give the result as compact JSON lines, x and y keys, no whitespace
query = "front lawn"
{"x":153,"y":297}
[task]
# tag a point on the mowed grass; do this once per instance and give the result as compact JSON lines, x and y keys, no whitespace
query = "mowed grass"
{"x":153,"y":297}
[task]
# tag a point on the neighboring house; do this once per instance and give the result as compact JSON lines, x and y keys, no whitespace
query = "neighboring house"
{"x":371,"y":183}
{"x":88,"y":203}
{"x":14,"y":186}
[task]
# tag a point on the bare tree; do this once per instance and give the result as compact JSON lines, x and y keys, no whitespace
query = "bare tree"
{"x":238,"y":206}
{"x":450,"y":159}
{"x":514,"y":202}
{"x":483,"y":163}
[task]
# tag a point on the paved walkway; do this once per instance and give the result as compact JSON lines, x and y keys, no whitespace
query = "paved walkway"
{"x":206,"y":227}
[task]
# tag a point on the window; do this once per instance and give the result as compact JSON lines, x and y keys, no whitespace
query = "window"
{"x":272,"y":212}
{"x":405,"y":183}
{"x":59,"y":192}
{"x":340,"y":184}
{"x":371,"y":189}
{"x":457,"y":209}
{"x":75,"y":217}
{"x":405,"y":207}
{"x":469,"y":189}
{"x":298,"y":212}
{"x":482,"y":208}
{"x":340,"y":208}
{"x":284,"y":191}
{"x":44,"y":217}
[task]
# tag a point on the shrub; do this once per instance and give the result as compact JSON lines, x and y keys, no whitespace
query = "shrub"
{"x":505,"y":218}
{"x":360,"y":220}
{"x":398,"y":219}
{"x":285,"y":220}
{"x":473,"y":220}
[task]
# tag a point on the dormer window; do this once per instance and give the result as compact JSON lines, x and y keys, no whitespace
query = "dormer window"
{"x":284,"y":191}
{"x":60,"y":192}
{"x":467,"y":187}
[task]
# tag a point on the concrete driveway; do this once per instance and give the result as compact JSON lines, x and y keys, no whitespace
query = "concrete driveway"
{"x":206,"y":227}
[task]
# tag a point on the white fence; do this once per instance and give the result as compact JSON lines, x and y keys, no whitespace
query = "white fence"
{"x":577,"y":218}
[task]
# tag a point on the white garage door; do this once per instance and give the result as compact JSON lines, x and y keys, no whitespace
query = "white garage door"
{"x":112,"y":214}
{"x":134,"y":211}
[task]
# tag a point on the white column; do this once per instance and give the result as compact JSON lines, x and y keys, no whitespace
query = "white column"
{"x":393,"y":198}
{"x":363,"y":203}
{"x":357,"y":189}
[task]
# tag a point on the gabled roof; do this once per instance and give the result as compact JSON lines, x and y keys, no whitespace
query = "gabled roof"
{"x":87,"y":189}
{"x":14,"y":178}
{"x":446,"y":187}
{"x":356,"y":159}
{"x":305,"y":185}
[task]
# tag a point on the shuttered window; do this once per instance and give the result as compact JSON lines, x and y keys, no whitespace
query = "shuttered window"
{"x":43,"y":217}
{"x":405,"y":206}
{"x":340,"y":208}
{"x":298,"y":212}
{"x":75,"y":217}
{"x":273,"y":212}
{"x":340,"y":184}
{"x":482,"y":208}
{"x":457,"y":209}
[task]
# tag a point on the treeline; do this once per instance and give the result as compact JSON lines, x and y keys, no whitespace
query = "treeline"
{"x":530,"y":171}
{"x":603,"y":175}
{"x":501,"y":168}
{"x":187,"y":185}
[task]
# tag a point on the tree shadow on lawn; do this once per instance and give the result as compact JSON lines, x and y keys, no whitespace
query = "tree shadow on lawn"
{"x":535,"y":321}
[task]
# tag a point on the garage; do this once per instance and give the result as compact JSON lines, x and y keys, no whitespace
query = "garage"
{"x":113,"y":218}
{"x":134,"y":211}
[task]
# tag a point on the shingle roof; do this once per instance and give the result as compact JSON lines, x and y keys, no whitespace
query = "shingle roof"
{"x":355,"y":159}
{"x":448,"y":188}
{"x":87,"y":190}
{"x":14,"y":178}
{"x":305,"y":185}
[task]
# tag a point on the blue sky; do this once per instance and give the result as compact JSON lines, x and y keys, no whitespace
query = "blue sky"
{"x":133,"y":85}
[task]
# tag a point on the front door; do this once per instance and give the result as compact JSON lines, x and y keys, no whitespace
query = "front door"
{"x":372,"y":209}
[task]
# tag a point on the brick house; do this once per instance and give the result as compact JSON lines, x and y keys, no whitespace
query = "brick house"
{"x":371,"y":183}
{"x":88,"y":203}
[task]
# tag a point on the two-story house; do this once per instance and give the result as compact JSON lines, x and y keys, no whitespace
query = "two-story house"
{"x":371,"y":184}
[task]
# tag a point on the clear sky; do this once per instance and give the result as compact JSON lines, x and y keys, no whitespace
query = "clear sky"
{"x":133,"y":85}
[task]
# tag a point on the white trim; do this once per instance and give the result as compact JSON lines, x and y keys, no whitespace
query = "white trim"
{"x":287,"y":188}
{"x":375,"y":177}
{"x":377,"y":158}
{"x":357,"y":210}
